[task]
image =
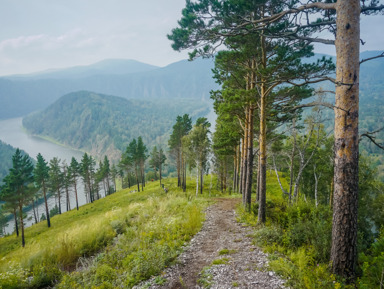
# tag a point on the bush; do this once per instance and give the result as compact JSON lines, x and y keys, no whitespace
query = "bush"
{"x":372,"y":265}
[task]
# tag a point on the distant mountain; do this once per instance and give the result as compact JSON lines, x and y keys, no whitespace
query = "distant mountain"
{"x":20,"y":95}
{"x":109,"y":66}
{"x":104,"y":124}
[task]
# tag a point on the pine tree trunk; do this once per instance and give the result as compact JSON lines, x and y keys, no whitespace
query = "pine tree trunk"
{"x":68,"y":201}
{"x":291,"y":169}
{"x":346,"y":174}
{"x":137,"y":179}
{"x":245,"y":157}
{"x":77,"y":200}
{"x":34,"y":211}
{"x":241,"y":163}
{"x":197,"y":179}
{"x":184,"y":177}
{"x":201,"y":180}
{"x":258,"y":178}
{"x":263,"y":142}
{"x":16,"y":225}
{"x":59,"y":196}
{"x":160,"y":174}
{"x":178,"y":165}
{"x":21,"y":224}
{"x":248,"y":189}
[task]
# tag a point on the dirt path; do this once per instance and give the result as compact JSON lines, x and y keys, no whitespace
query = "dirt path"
{"x":221,"y":237}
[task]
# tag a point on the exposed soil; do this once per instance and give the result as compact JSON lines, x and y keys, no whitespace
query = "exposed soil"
{"x":221,"y":237}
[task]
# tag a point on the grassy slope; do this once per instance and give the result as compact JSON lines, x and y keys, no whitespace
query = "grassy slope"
{"x":132,"y":235}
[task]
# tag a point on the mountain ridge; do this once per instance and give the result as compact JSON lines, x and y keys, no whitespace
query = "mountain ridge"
{"x":104,"y":124}
{"x":21,"y":96}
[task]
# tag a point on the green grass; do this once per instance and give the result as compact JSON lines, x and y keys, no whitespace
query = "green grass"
{"x":226,"y":252}
{"x":221,"y":261}
{"x":130,"y":237}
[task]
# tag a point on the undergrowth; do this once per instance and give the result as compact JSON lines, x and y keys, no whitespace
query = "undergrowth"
{"x":297,"y":238}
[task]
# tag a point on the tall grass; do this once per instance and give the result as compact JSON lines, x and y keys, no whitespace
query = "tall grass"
{"x":114,"y":242}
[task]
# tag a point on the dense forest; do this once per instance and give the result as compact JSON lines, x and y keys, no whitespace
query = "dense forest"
{"x":104,"y":125}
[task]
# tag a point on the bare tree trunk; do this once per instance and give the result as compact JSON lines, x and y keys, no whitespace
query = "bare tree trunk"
{"x":346,"y":174}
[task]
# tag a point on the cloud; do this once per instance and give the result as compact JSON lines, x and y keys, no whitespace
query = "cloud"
{"x":21,"y":42}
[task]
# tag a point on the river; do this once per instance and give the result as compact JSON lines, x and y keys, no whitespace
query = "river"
{"x":12,"y":132}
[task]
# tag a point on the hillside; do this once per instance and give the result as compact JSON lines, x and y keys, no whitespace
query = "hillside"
{"x":104,"y":124}
{"x":6,"y":153}
{"x":20,"y":95}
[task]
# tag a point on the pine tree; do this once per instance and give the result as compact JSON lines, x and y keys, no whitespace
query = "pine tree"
{"x":41,"y":175}
{"x":56,"y":179}
{"x":20,"y":177}
{"x":74,"y":173}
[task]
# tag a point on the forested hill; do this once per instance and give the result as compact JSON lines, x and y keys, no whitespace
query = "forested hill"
{"x":104,"y":124}
{"x":20,"y":95}
{"x":6,"y":153}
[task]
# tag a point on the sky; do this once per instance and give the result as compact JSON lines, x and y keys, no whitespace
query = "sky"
{"x":37,"y":35}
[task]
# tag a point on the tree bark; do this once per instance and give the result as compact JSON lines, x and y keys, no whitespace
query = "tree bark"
{"x":248,"y":189}
{"x":77,"y":200}
{"x":16,"y":225}
{"x":346,"y":175}
{"x":21,"y":224}
{"x":201,"y":180}
{"x":59,"y":196}
{"x":34,"y":211}
{"x":263,"y":139}
{"x":244,"y":159}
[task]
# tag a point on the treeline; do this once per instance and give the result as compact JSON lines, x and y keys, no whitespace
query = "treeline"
{"x":190,"y":147}
{"x":26,"y":184}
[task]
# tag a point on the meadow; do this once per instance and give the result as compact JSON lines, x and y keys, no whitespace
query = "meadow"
{"x":113,"y":242}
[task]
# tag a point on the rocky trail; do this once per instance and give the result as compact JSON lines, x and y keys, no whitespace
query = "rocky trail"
{"x":221,"y":256}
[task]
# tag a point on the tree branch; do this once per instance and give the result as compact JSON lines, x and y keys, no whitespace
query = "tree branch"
{"x":318,"y":103}
{"x":372,"y":138}
{"x":374,"y":57}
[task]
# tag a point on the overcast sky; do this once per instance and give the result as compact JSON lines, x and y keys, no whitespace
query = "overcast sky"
{"x":41,"y":34}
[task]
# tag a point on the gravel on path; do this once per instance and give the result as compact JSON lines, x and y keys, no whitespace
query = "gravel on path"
{"x":220,"y":256}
